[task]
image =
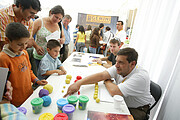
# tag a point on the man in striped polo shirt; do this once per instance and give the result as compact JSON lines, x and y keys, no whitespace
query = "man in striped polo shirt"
{"x":22,"y":11}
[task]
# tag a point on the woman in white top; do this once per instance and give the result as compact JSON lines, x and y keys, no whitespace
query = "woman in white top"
{"x":44,"y":27}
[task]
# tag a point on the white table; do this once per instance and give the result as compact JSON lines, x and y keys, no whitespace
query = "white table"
{"x":59,"y":81}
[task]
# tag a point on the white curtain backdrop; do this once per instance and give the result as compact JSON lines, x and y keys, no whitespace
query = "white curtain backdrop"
{"x":156,"y":37}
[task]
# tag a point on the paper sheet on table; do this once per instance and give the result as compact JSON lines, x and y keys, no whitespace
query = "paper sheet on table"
{"x":104,"y":95}
{"x":55,"y":35}
{"x":3,"y":74}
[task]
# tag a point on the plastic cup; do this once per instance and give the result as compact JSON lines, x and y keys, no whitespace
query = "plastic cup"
{"x":60,"y":103}
{"x":69,"y":109}
{"x":72,"y":100}
{"x":83,"y":102}
{"x":22,"y":109}
{"x":118,"y":101}
{"x":37,"y":105}
{"x":61,"y":116}
{"x":46,"y":116}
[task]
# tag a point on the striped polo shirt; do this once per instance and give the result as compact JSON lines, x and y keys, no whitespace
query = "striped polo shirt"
{"x":7,"y":16}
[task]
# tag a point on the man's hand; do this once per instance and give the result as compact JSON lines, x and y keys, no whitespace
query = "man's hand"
{"x":72,"y":89}
{"x":41,"y":82}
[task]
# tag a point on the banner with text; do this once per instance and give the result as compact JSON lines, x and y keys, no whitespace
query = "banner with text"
{"x":95,"y":20}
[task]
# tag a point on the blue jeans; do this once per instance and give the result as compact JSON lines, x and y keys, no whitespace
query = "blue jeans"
{"x":92,"y":50}
{"x":80,"y":46}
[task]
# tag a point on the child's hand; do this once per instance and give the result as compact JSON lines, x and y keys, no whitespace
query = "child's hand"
{"x":42,"y":82}
{"x":60,"y":72}
{"x":64,"y":72}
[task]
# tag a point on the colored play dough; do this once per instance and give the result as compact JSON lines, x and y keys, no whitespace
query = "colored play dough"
{"x":46,"y":116}
{"x":67,"y":81}
{"x":97,"y":100}
{"x":37,"y":104}
{"x":22,"y":109}
{"x":43,"y":92}
{"x":68,"y":77}
{"x":78,"y":77}
{"x":49,"y":88}
{"x":47,"y":101}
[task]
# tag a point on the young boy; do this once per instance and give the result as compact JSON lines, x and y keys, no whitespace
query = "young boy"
{"x":14,"y":57}
{"x":50,"y":63}
{"x":115,"y":46}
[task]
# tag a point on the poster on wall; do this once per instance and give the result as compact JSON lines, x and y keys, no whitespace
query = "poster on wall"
{"x":95,"y":20}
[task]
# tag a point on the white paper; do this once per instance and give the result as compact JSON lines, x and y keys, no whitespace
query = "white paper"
{"x":3,"y":77}
{"x":102,"y":42}
{"x":104,"y":95}
{"x":55,"y":35}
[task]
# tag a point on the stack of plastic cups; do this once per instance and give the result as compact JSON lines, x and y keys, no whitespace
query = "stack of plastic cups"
{"x":72,"y":100}
{"x":83,"y":102}
{"x":69,"y":109}
{"x":37,"y":104}
{"x":60,"y":103}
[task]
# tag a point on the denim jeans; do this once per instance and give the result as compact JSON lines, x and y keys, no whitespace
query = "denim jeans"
{"x":92,"y":50}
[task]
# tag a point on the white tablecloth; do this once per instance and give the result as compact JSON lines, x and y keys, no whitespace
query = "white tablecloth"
{"x":59,"y":81}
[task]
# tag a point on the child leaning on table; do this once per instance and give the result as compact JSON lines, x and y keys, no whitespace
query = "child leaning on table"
{"x":14,"y":57}
{"x":50,"y":63}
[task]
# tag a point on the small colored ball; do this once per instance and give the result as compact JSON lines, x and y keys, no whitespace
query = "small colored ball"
{"x":78,"y":77}
{"x":62,"y":91}
{"x":47,"y":101}
{"x":43,"y":92}
{"x":95,"y":96}
{"x":67,"y":81}
{"x":97,"y":100}
{"x":64,"y":86}
{"x":68,"y":77}
{"x":49,"y":88}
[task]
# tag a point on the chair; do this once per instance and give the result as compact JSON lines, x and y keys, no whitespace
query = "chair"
{"x":156,"y":92}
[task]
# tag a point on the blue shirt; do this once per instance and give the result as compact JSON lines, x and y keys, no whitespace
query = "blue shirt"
{"x":48,"y":63}
{"x":75,"y":34}
{"x":67,"y":35}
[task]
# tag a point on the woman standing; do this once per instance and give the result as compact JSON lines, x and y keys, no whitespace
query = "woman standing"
{"x":88,"y":34}
{"x":44,"y":27}
{"x":80,"y":40}
{"x":94,"y":40}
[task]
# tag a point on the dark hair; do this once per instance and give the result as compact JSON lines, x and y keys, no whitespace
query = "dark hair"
{"x":108,"y":28}
{"x":26,"y":4}
{"x":16,"y":31}
{"x":81,"y":29}
{"x":131,"y":54}
{"x":121,"y":22}
{"x":52,"y":43}
{"x":77,"y":25}
{"x":57,"y":10}
{"x":95,"y":32}
{"x":101,"y":25}
{"x":114,"y":41}
{"x":89,"y":27}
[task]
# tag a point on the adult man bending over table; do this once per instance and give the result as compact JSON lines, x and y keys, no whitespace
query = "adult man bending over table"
{"x":131,"y":81}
